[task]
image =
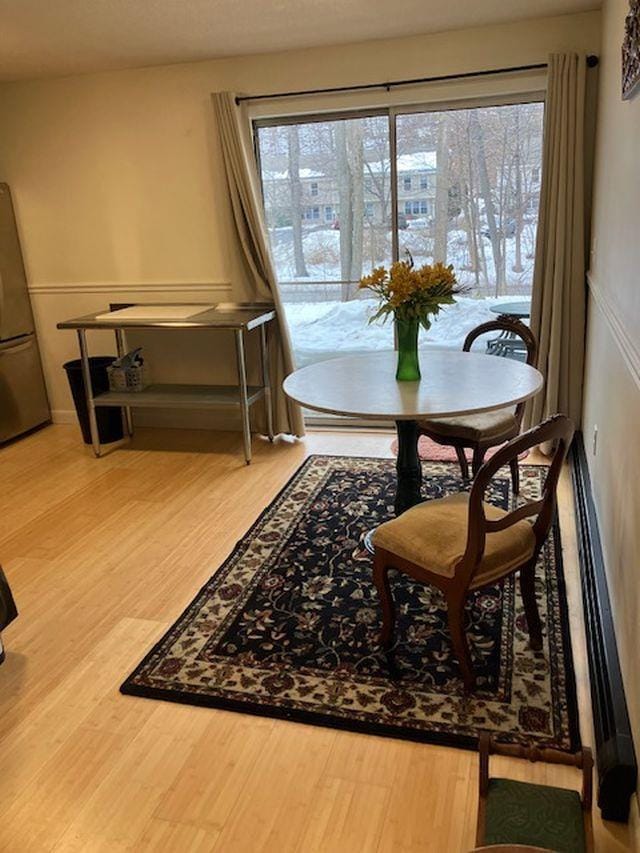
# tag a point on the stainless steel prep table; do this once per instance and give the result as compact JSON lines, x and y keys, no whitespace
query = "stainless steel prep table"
{"x":238,"y":318}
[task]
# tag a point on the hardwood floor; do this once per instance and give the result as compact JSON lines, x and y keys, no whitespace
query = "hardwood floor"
{"x":102,"y":556}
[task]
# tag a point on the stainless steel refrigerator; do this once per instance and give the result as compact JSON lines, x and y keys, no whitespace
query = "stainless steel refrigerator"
{"x":23,"y":395}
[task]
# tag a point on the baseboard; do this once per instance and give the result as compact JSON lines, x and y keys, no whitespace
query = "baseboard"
{"x":615,"y":756}
{"x":64,"y":416}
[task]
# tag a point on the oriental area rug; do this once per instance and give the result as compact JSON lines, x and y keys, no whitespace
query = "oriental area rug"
{"x":289,"y":625}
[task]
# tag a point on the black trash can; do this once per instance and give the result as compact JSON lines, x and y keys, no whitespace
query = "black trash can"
{"x":109,"y":418}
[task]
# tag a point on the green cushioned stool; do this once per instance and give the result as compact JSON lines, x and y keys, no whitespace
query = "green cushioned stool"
{"x":522,"y":813}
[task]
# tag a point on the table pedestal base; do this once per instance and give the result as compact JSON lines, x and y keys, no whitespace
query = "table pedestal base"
{"x":408,"y":467}
{"x":409,"y":471}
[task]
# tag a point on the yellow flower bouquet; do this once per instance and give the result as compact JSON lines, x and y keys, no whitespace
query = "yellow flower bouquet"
{"x":413,"y":295}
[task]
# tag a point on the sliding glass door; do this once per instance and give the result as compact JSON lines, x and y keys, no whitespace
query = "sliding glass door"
{"x":346,"y":193}
{"x":468,"y":188}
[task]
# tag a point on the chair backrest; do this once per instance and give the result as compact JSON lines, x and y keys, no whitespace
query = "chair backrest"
{"x":557,"y":429}
{"x":507,"y":323}
{"x":582,"y":759}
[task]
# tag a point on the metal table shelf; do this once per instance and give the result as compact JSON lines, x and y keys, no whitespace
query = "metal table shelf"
{"x":179,"y":397}
{"x":237,"y":318}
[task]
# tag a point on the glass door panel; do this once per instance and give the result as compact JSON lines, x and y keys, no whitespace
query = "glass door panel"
{"x":327,"y":198}
{"x":468,"y":188}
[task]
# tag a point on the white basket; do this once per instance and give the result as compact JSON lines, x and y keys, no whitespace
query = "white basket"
{"x":127,"y":379}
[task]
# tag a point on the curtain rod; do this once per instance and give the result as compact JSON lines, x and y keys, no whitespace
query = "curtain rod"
{"x":592,"y":61}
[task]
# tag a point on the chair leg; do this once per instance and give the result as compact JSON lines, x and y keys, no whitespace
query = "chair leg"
{"x":528,"y":591}
{"x":464,"y":465}
{"x":515,"y":475}
{"x":478,"y":459}
{"x":381,"y":580}
{"x":455,"y":614}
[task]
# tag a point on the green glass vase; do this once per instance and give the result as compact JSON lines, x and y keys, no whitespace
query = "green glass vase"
{"x":408,"y":361}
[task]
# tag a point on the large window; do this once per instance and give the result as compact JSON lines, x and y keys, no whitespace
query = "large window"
{"x":463,"y":188}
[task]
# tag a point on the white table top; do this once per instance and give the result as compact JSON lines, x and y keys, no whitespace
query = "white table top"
{"x":453,"y":383}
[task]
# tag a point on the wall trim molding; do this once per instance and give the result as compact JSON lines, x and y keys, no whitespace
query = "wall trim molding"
{"x":64,"y":416}
{"x":626,"y":344}
{"x":54,"y":287}
{"x":615,"y":756}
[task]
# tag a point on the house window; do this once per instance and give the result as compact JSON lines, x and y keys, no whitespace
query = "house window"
{"x":417,"y":207}
{"x":329,"y":213}
{"x":532,"y":205}
{"x":311,"y":214}
{"x":424,"y":182}
{"x":368,"y":209}
{"x":406,"y":182}
{"x":314,"y":188}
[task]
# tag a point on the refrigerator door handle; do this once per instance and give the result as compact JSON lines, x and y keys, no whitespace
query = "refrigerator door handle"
{"x":16,"y":345}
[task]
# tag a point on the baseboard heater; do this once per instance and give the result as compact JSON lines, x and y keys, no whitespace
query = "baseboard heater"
{"x":615,"y":757}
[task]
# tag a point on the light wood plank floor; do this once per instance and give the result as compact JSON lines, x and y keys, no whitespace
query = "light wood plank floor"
{"x":103,"y":555}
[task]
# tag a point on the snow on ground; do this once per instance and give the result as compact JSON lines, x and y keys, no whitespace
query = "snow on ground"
{"x":321,"y":249}
{"x":322,"y":330}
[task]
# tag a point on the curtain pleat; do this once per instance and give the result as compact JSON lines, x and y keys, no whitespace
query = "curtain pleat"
{"x":260,"y":278}
{"x":558,"y":308}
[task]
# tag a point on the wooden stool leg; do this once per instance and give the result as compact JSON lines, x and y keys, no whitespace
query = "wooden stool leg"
{"x":455,"y":614}
{"x":462,"y":459}
{"x":381,"y":580}
{"x":515,"y":475}
{"x":528,"y":591}
{"x":478,"y":459}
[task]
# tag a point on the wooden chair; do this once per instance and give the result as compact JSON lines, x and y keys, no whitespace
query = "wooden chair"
{"x":460,"y":543}
{"x":480,"y":432}
{"x":8,"y":611}
{"x":534,"y":816}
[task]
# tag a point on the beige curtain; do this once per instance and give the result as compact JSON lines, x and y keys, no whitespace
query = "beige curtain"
{"x":260,"y":279}
{"x":559,"y":295}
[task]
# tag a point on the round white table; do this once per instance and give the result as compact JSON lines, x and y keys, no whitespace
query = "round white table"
{"x":453,"y":383}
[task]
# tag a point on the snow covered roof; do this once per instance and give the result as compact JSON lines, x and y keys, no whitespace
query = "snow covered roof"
{"x":283,"y":176}
{"x":420,"y":161}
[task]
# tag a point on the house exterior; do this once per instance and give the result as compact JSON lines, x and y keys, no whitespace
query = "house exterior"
{"x":320,"y":195}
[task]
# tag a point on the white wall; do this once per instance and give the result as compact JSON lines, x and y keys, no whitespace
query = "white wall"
{"x":612,"y":379}
{"x":117,"y":177}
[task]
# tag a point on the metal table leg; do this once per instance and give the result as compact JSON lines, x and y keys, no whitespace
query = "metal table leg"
{"x":266,"y":381}
{"x":244,"y":394}
{"x":127,"y":420}
{"x":88,"y":390}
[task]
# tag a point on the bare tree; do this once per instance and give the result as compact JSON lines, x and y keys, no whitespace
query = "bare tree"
{"x":356,"y":167}
{"x":350,"y":169}
{"x":442,"y":190}
{"x":296,"y":200}
{"x":478,"y":147}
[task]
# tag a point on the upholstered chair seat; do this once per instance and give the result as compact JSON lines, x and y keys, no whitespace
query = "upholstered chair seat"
{"x":433,"y":535}
{"x":520,"y":815}
{"x":494,"y":427}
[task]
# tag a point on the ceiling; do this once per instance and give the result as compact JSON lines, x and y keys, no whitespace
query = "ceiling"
{"x":41,"y":38}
